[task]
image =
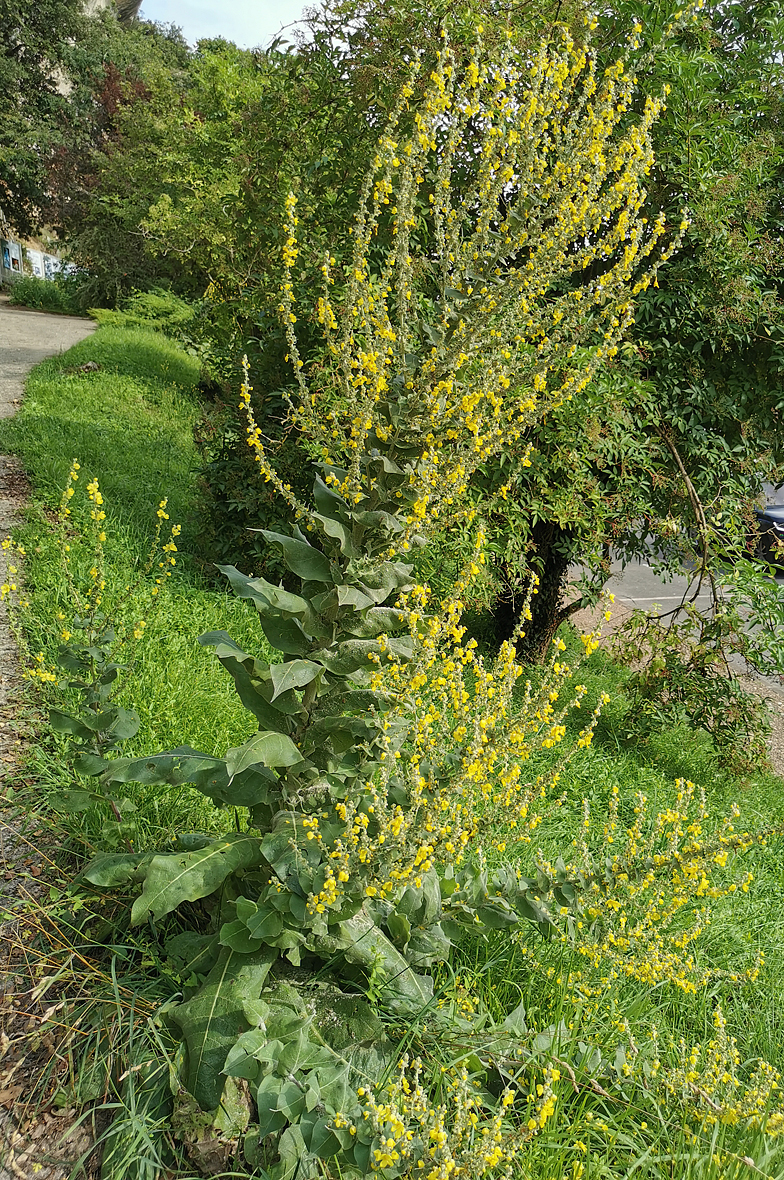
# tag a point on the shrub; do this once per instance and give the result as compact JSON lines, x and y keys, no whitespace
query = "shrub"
{"x":58,"y":295}
{"x":158,"y":309}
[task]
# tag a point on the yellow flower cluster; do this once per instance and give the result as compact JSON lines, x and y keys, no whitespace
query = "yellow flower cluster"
{"x":458,"y":1136}
{"x":457,"y":738}
{"x":83,"y":564}
{"x":546,"y":245}
{"x":708,"y":1082}
{"x":649,"y":891}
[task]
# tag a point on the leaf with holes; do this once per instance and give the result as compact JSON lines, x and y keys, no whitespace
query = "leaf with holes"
{"x":173,"y":878}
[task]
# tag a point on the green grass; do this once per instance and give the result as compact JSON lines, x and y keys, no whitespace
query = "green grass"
{"x":130,"y":423}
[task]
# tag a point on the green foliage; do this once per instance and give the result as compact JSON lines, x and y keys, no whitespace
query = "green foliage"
{"x":385,"y":747}
{"x":685,"y":677}
{"x":34,"y":43}
{"x":158,"y":310}
{"x":58,"y":295}
{"x":686,"y":665}
{"x":389,"y":761}
{"x":131,"y":420}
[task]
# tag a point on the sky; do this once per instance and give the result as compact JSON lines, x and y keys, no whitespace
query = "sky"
{"x":246,"y":22}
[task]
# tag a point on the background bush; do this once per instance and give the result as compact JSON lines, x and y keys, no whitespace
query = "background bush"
{"x":58,"y":295}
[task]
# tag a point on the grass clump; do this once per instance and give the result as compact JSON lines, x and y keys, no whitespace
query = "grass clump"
{"x":158,"y":309}
{"x":57,"y":295}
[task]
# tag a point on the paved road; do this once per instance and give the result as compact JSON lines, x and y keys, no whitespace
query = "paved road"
{"x":27,"y":337}
{"x":638,"y":586}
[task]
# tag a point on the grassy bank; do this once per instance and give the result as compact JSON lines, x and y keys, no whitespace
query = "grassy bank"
{"x":129,"y":421}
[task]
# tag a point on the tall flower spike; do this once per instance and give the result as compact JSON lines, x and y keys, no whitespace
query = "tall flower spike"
{"x":534,"y":195}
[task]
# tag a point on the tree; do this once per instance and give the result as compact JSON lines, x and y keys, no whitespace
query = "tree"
{"x":708,"y":340}
{"x":34,"y":47}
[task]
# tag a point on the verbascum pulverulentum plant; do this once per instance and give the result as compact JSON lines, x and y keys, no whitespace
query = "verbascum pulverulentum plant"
{"x":384,"y":806}
{"x":92,"y":643}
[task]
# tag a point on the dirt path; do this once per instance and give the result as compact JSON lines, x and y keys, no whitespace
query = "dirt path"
{"x":26,"y":338}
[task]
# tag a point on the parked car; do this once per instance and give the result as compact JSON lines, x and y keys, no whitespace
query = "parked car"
{"x":770,"y":521}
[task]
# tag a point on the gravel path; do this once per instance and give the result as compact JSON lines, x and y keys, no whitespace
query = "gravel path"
{"x":43,"y":1147}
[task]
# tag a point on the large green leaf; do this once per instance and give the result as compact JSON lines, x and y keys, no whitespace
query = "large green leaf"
{"x":337,"y":531}
{"x":212,"y":776}
{"x":384,"y":579}
{"x":372,"y":622}
{"x":253,"y":682}
{"x":65,"y":723}
{"x":263,"y":594}
{"x":349,"y":656}
{"x":302,"y":559}
{"x":267,"y":748}
{"x":110,"y":871}
{"x":292,"y":674}
{"x":285,"y":634}
{"x":353,"y":597}
{"x":211,"y":1020}
{"x":120,"y":723}
{"x":361,"y":941}
{"x":328,"y":502}
{"x":174,"y":767}
{"x":173,"y":878}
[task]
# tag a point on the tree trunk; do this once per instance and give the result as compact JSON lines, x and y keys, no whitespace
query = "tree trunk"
{"x":550,"y":560}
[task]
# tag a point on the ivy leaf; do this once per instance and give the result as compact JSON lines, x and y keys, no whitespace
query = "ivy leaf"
{"x":173,"y":878}
{"x":211,"y":1019}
